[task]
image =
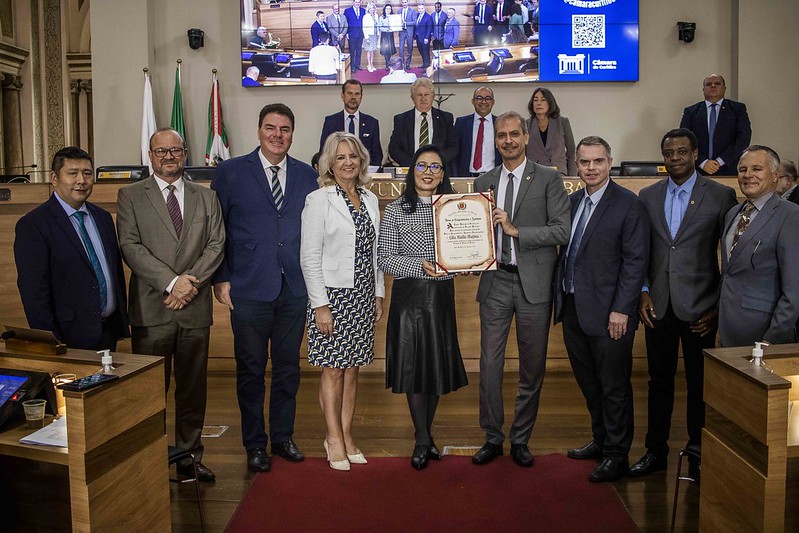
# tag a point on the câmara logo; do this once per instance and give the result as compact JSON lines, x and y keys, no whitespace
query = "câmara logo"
{"x":589,"y":4}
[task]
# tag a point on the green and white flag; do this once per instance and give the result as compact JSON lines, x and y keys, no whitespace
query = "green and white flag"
{"x":217,"y":148}
{"x":178,"y":123}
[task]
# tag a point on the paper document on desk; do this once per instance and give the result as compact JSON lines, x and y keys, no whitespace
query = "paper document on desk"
{"x":54,"y":434}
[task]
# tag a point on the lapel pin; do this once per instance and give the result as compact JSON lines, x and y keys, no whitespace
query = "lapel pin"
{"x":528,"y":178}
{"x":692,"y":202}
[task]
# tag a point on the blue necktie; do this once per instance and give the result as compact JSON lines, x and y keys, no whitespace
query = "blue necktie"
{"x":93,"y":259}
{"x":574,"y":247}
{"x":711,"y":130}
{"x":352,"y":124}
{"x":676,"y":211}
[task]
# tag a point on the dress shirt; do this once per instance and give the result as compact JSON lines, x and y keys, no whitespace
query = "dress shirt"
{"x":688,"y":187}
{"x":179,"y":195}
{"x":323,"y":60}
{"x":488,"y":144}
{"x":281,"y":174}
{"x":481,"y":16}
{"x":595,"y":198}
{"x":357,"y":121}
{"x":97,"y":242}
{"x":417,"y":126}
{"x":518,"y":176}
{"x":759,"y":204}
{"x":718,"y":110}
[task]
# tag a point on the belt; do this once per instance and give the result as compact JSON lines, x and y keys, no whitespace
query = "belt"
{"x":513,"y":269}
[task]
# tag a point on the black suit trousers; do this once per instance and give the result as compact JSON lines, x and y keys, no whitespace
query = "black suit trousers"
{"x":602,"y":368}
{"x":662,"y":343}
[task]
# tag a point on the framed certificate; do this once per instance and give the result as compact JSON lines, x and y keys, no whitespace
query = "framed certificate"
{"x":464,"y":234}
{"x":395,"y":22}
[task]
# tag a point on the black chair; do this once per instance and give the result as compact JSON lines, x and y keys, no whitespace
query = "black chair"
{"x":693,"y":453}
{"x":492,"y":67}
{"x":176,"y":454}
{"x":643,"y":168}
{"x":122,"y":172}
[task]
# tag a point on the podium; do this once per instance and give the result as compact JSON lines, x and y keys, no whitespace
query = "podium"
{"x":750,"y":442}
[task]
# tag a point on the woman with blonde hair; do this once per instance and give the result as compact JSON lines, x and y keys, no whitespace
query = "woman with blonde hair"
{"x":338,"y":255}
{"x":370,"y":34}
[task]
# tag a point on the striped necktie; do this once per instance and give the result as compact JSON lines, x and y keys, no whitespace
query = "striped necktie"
{"x":93,"y":259}
{"x":424,"y":131}
{"x":277,"y":190}
{"x":174,"y":210}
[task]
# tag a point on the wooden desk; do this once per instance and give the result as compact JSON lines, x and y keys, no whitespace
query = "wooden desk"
{"x":451,"y":70}
{"x":750,"y":453}
{"x":117,"y":455}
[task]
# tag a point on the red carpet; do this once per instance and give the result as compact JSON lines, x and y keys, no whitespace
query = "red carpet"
{"x":387,"y":495}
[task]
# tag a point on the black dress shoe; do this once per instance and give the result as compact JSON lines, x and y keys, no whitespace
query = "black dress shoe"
{"x":203,"y":472}
{"x":434,"y":453}
{"x":650,"y":462}
{"x":257,"y":460}
{"x":420,"y":455}
{"x":610,"y":469}
{"x":487,"y":453}
{"x":288,"y":450}
{"x":521,"y":455}
{"x":592,"y":450}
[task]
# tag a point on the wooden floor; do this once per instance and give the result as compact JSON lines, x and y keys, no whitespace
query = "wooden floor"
{"x":383,"y":429}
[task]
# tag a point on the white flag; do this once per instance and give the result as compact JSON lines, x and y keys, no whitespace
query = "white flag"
{"x":147,"y":122}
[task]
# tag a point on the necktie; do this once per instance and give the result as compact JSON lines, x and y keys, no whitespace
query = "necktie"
{"x":574,"y":247}
{"x":358,"y":13}
{"x":277,"y":190}
{"x":482,"y":11}
{"x":174,"y":210}
{"x":324,"y":28}
{"x":711,"y":129}
{"x":676,"y":211}
{"x":508,"y":207}
{"x":351,"y":128}
{"x":478,"y":146}
{"x":338,"y":21}
{"x":424,"y":133}
{"x":93,"y":259}
{"x":743,"y":223}
{"x":499,"y":12}
{"x":419,"y":20}
{"x":404,"y":19}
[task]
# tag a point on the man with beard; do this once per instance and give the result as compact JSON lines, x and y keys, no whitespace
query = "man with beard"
{"x":363,"y":126}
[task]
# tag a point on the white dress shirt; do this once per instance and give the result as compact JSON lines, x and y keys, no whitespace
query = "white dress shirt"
{"x":499,"y":200}
{"x":357,"y":121}
{"x":417,"y":127}
{"x":595,"y":198}
{"x":281,"y":174}
{"x":488,"y":144}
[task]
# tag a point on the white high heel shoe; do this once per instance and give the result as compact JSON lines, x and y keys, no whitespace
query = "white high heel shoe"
{"x":357,"y":458}
{"x":343,"y":465}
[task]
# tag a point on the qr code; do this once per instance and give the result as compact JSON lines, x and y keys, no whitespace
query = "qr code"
{"x":588,"y":31}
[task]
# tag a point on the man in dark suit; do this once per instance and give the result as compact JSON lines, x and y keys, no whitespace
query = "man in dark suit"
{"x":532,"y":218}
{"x":759,"y":280}
{"x":679,"y":304}
{"x":424,"y":34}
{"x":597,"y":285}
{"x":721,"y":126}
{"x":412,"y":129}
{"x":338,"y":27}
{"x":172,"y":237}
{"x":408,"y":16}
{"x":501,"y":18}
{"x":262,"y":195}
{"x":318,"y":28}
{"x":477,"y":153}
{"x":483,"y":18}
{"x":69,"y":270}
{"x":439,"y":21}
{"x":351,"y":120}
{"x":354,"y":16}
{"x":786,"y":181}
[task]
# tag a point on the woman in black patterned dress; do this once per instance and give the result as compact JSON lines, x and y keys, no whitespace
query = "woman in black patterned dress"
{"x":338,"y":255}
{"x":423,"y":358}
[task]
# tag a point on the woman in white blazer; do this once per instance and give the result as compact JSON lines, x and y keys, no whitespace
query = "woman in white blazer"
{"x":338,"y":255}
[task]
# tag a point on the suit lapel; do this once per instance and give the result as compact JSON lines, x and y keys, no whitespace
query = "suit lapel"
{"x":596,"y":217}
{"x":189,"y":209}
{"x":703,"y":132}
{"x":156,"y":198}
{"x":698,"y":193}
{"x":660,"y":202}
{"x":337,"y":201}
{"x":65,"y":224}
{"x":257,"y":174}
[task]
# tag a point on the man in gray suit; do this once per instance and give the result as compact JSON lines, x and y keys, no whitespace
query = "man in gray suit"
{"x":679,"y":304}
{"x":532,"y":216}
{"x":406,"y":35}
{"x":337,"y":24}
{"x":172,"y":236}
{"x":759,"y":279}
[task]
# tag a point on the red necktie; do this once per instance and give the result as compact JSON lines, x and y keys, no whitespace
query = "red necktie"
{"x":478,"y":146}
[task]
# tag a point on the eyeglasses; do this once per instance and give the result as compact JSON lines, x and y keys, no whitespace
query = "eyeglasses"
{"x":160,"y":153}
{"x":482,"y":99}
{"x":434,"y":168}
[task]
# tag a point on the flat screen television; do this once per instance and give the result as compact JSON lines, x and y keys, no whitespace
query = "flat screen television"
{"x":562,"y":40}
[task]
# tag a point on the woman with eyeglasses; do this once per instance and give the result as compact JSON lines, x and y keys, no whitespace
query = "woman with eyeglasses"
{"x":423,"y":358}
{"x":551,"y":139}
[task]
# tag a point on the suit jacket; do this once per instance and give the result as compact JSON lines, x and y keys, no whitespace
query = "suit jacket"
{"x":260,"y":240}
{"x":794,"y":196}
{"x":327,"y":252}
{"x":542,"y":215}
{"x":505,"y":13}
{"x":732,"y":135}
{"x":337,"y":28}
{"x":317,"y":30}
{"x":155,"y":253}
{"x":438,"y":26}
{"x":685,"y":270}
{"x":452,"y":32}
{"x":402,"y":142}
{"x":488,"y":18}
{"x":354,"y":24}
{"x":47,"y":249}
{"x":424,"y":28}
{"x":611,"y":262}
{"x":368,"y":132}
{"x":760,"y":282}
{"x":410,"y":22}
{"x":464,"y":128}
{"x":559,"y":150}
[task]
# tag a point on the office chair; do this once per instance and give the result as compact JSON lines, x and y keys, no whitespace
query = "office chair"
{"x":692,"y":453}
{"x":492,"y":67}
{"x":176,"y":454}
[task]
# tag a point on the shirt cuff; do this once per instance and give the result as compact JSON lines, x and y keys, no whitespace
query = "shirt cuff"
{"x":171,"y":285}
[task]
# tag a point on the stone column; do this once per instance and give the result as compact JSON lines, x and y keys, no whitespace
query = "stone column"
{"x":86,"y":87}
{"x":74,"y":91}
{"x":12,"y":124}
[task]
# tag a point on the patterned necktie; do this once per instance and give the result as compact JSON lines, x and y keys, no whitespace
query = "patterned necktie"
{"x":711,"y":129}
{"x":508,"y":207}
{"x":352,"y":124}
{"x":93,"y":259}
{"x":174,"y":210}
{"x":478,"y":146}
{"x":424,"y":132}
{"x":676,"y":211}
{"x":574,"y":247}
{"x":277,"y":190}
{"x":743,"y":223}
{"x":419,"y":20}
